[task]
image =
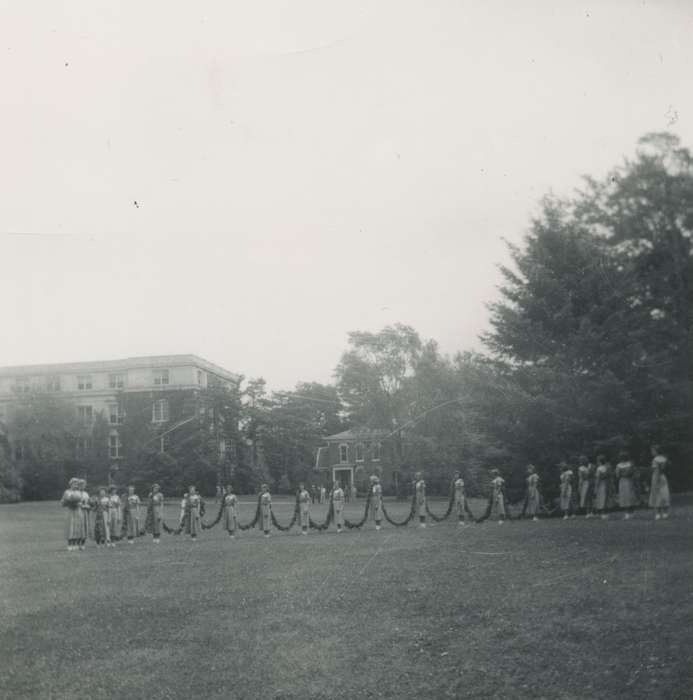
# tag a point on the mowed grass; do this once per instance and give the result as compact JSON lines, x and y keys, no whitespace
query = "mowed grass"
{"x":577,"y":609}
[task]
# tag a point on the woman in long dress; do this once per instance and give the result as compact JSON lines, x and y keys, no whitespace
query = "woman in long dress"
{"x":533,"y":496}
{"x":625,"y":473}
{"x":193,"y":520}
{"x":420,"y":498}
{"x":131,"y":515}
{"x":74,"y":527}
{"x":85,"y":510}
{"x":115,"y":513}
{"x":566,"y":489}
{"x":230,"y":511}
{"x":102,"y":519}
{"x":157,"y":518}
{"x":602,"y":478}
{"x":660,"y":498}
{"x":304,"y":508}
{"x":265,"y":509}
{"x":338,"y":505}
{"x":460,"y":509}
{"x":497,"y":496}
{"x":376,"y":501}
{"x":585,"y":486}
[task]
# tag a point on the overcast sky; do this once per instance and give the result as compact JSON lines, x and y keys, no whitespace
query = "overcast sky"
{"x":251,"y":181}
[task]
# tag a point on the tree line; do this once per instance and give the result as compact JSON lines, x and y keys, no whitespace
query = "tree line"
{"x":588,"y":351}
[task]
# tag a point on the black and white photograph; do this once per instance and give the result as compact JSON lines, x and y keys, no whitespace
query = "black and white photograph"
{"x":347,"y":350}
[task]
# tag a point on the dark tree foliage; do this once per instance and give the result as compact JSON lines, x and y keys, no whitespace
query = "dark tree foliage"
{"x":591,"y":341}
{"x":199,"y":445}
{"x":395,"y":380}
{"x":51,"y":444}
{"x":10,"y":481}
{"x":287,"y":428}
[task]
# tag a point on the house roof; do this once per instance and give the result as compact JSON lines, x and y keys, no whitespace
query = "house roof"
{"x":123,"y":364}
{"x":359,"y":434}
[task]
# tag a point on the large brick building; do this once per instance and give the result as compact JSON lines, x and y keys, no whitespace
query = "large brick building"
{"x":352,"y":456}
{"x":160,"y":389}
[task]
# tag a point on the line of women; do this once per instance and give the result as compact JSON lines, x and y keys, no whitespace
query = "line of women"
{"x":591,"y":489}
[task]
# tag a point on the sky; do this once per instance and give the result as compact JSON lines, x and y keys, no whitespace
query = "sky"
{"x":251,"y":181}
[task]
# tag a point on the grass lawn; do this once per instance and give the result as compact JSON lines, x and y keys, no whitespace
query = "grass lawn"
{"x":576,"y":609}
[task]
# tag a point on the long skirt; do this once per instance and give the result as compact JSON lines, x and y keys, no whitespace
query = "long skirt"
{"x":626,"y":492}
{"x":132,"y":524}
{"x":115,"y":522}
{"x":566,"y":496}
{"x":532,"y":502}
{"x":498,"y":505}
{"x":459,"y":507}
{"x":659,"y":492}
{"x":265,"y":518}
{"x":230,"y":519}
{"x":305,"y":516}
{"x":102,"y":527}
{"x":377,"y":508}
{"x":158,"y":512}
{"x":339,"y":516}
{"x":601,"y":494}
{"x":193,"y":525}
{"x":421,"y":508}
{"x":74,"y":526}
{"x":584,"y":494}
{"x":87,"y":523}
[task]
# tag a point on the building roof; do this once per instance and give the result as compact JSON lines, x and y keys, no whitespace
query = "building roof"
{"x":146,"y":362}
{"x":359,"y":434}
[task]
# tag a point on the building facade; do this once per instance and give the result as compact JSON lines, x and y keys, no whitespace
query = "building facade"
{"x":354,"y":455}
{"x":159,"y":388}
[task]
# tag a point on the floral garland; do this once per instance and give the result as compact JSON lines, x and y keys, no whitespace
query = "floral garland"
{"x":350,"y":525}
{"x":401,"y":523}
{"x":451,"y":503}
{"x":171,"y":530}
{"x":286,"y":528}
{"x":209,"y":526}
{"x":323,"y":526}
{"x":255,"y":519}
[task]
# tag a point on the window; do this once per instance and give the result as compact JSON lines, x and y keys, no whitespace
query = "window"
{"x":83,"y":446}
{"x":115,"y":415}
{"x":85,"y":413}
{"x":84,"y":382}
{"x":376,"y":452}
{"x":222,"y":448}
{"x":343,"y":454}
{"x":53,"y":384}
{"x":116,"y":381}
{"x":200,"y":377}
{"x":160,"y":377}
{"x":114,"y":446}
{"x":22,"y":385}
{"x":160,"y":411}
{"x":359,"y":452}
{"x":19,"y":451}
